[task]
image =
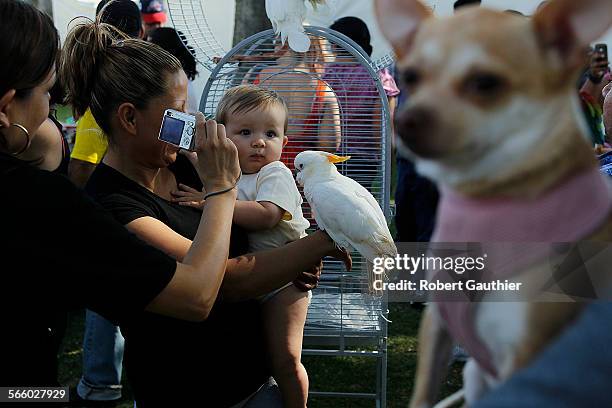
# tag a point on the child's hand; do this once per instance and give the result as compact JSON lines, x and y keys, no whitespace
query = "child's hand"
{"x":188,"y":196}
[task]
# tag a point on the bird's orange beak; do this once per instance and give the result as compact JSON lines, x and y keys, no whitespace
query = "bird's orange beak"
{"x":332,"y":158}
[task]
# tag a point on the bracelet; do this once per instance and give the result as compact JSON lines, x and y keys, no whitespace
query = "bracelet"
{"x":214,"y":193}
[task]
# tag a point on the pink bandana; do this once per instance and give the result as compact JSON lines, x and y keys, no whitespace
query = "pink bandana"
{"x":567,"y":213}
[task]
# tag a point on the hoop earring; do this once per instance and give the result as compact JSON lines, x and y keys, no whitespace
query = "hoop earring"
{"x":28,"y":140}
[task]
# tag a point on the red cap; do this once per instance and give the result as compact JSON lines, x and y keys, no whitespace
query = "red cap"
{"x":153,"y":12}
{"x":154,"y":17}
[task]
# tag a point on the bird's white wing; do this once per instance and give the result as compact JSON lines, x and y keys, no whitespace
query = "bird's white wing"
{"x":287,"y":17}
{"x":361,"y":192}
{"x":349,"y":218}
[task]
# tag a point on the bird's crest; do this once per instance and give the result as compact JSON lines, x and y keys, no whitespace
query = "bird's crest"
{"x":332,"y":158}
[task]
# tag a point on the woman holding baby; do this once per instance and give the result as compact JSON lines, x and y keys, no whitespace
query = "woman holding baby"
{"x":134,"y":183}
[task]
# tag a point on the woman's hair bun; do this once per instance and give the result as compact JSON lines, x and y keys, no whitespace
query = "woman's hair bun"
{"x":85,"y":49}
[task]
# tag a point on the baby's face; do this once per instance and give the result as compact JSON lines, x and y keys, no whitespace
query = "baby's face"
{"x":259,"y":136}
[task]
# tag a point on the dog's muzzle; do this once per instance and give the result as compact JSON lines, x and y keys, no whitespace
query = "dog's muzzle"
{"x":417,"y":127}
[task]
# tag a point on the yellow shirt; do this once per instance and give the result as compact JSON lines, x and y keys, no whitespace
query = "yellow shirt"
{"x":90,"y":141}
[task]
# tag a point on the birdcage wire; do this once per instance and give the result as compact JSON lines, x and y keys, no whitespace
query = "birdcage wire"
{"x":336,"y":103}
{"x":188,"y":17}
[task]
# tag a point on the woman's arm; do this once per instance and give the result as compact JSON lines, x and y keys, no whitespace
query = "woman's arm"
{"x":253,"y":275}
{"x":246,"y":276}
{"x":159,"y":235}
{"x":80,"y":171}
{"x":330,"y":131}
{"x":193,"y":290}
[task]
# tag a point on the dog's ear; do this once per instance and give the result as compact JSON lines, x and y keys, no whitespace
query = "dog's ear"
{"x":569,"y":26}
{"x":399,"y":20}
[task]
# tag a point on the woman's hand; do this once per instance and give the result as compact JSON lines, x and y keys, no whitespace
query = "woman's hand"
{"x":342,"y":254}
{"x":217,"y":162}
{"x":308,"y":280}
{"x":335,"y":251}
{"x":188,"y":196}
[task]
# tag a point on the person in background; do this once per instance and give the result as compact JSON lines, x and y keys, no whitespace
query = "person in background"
{"x":153,"y":16}
{"x":359,"y":101}
{"x":314,"y":113}
{"x":416,"y":199}
{"x":49,"y":148}
{"x":591,"y":97}
{"x":175,"y":43}
{"x":90,"y":142}
{"x":607,"y":109}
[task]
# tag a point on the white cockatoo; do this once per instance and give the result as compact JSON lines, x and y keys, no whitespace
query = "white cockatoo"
{"x":287,"y":17}
{"x":342,"y":207}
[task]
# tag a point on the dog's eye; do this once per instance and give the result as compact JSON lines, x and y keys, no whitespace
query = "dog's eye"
{"x":482,"y":83}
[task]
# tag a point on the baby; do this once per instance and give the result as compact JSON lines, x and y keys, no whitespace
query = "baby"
{"x":269,"y":206}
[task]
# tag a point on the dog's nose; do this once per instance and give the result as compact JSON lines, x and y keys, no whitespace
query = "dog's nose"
{"x":416,"y":126}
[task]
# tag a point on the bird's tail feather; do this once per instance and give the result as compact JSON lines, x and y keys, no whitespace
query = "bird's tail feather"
{"x":372,"y":277}
{"x":298,"y":41}
{"x":387,"y":246}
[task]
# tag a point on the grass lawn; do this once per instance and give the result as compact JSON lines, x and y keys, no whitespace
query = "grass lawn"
{"x":326,"y":373}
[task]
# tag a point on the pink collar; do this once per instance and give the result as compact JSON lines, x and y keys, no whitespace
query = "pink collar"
{"x":567,"y":213}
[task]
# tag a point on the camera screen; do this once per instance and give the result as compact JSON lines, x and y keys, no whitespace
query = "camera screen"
{"x":172,"y":130}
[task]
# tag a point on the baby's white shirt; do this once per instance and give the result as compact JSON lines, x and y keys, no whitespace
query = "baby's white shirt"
{"x":274,"y":183}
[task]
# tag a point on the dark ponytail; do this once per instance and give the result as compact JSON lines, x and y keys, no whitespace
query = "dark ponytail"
{"x":102,"y":68}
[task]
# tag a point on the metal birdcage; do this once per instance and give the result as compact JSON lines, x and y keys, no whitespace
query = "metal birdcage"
{"x":336,"y":103}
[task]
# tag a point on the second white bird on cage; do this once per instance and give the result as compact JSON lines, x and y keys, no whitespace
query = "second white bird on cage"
{"x":342,"y":207}
{"x":287,"y":17}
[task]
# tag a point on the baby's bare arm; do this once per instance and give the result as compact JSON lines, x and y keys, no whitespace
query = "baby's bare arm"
{"x":257,"y":216}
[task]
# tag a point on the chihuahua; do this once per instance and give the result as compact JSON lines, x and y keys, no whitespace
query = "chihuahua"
{"x":493,"y":117}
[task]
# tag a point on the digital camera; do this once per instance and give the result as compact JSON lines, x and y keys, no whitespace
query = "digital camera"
{"x":178,"y":129}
